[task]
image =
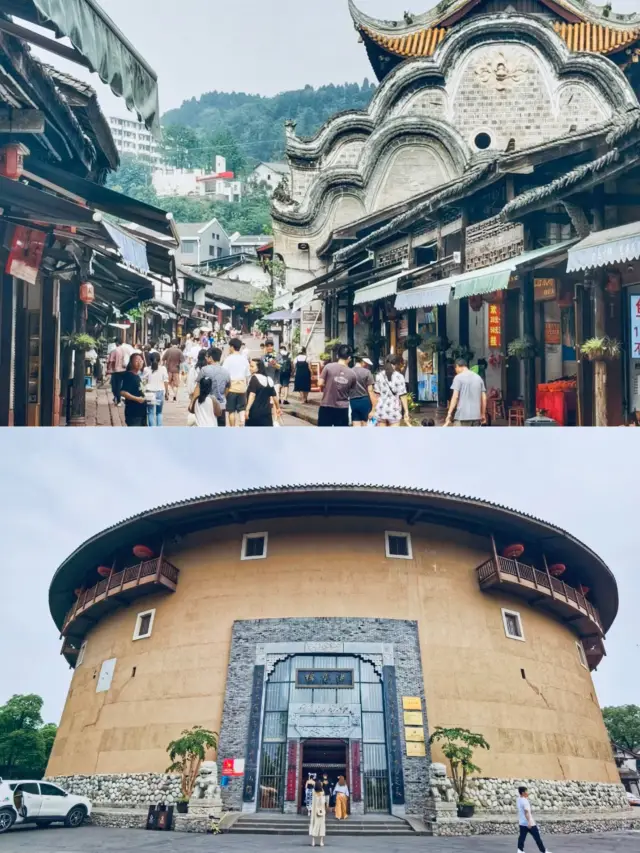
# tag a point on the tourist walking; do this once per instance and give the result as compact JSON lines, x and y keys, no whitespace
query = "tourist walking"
{"x":326,"y":787}
{"x":469,"y":401}
{"x":318,"y":822}
{"x":204,"y":407}
{"x":117,"y":364}
{"x":272,"y":365}
{"x":155,"y":379}
{"x":302,"y":376}
{"x":263,"y":400}
{"x":341,"y":793}
{"x":392,"y":405}
{"x":527,"y":823}
{"x":362,"y":397}
{"x":173,"y":358}
{"x":237,"y":366}
{"x":285,"y":375}
{"x":194,"y":371}
{"x":336,"y":383}
{"x":220,"y":380}
{"x":135,"y":402}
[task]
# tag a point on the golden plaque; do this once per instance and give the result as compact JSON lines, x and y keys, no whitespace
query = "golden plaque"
{"x":414,"y":748}
{"x":413,"y":718}
{"x":414,"y":734}
{"x":412,"y":703}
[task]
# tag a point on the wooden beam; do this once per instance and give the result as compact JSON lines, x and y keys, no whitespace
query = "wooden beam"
{"x":62,"y":50}
{"x":21,"y":121}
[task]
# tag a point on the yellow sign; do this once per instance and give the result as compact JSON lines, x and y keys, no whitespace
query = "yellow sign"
{"x":414,"y":734}
{"x":412,"y":703}
{"x":416,"y":749}
{"x":413,"y":718}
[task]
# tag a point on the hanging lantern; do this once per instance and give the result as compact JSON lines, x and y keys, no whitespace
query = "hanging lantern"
{"x":475,"y":303}
{"x":12,"y":160}
{"x":495,"y":298}
{"x":104,"y":571}
{"x":87,"y":293}
{"x":614,"y":282}
{"x":356,"y":318}
{"x":512,"y":552}
{"x":142,"y":552}
{"x":557,"y":569}
{"x":584,"y":590}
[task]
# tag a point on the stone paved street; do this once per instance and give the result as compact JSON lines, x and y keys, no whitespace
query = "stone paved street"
{"x":96,"y":840}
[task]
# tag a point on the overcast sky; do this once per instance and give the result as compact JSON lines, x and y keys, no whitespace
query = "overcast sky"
{"x":62,"y":486}
{"x":256,"y":46}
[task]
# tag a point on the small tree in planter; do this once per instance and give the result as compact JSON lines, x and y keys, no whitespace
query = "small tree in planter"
{"x":187,"y":754}
{"x":601,"y":349}
{"x":458,"y":746}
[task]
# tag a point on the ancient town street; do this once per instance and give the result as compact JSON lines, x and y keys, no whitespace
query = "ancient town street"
{"x":96,"y":840}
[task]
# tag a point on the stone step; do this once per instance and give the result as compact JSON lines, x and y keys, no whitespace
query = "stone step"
{"x":300,"y":826}
{"x":369,"y":832}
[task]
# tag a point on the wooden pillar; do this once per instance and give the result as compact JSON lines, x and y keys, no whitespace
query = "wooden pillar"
{"x":49,"y":352}
{"x":21,"y":359}
{"x":351,"y":330}
{"x":375,"y":334}
{"x":443,"y":385}
{"x":599,"y":320}
{"x":78,"y":393}
{"x":463,"y":322}
{"x":412,"y":318}
{"x":7,"y":331}
{"x":68,"y":299}
{"x":528,"y":328}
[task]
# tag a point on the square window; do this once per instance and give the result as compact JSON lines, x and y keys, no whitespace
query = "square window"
{"x":398,"y":545}
{"x":582,"y":655}
{"x":512,"y":624}
{"x":144,"y":625}
{"x":254,"y":546}
{"x":83,"y":649}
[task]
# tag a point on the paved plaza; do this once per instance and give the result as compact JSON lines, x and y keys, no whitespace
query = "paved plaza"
{"x":97,"y":840}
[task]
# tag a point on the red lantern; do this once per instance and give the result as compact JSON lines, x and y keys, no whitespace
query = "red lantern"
{"x":142,"y":552}
{"x":557,"y":569}
{"x":78,"y":592}
{"x":356,"y":318}
{"x":104,"y":571}
{"x":87,"y":293}
{"x":512,"y":552}
{"x":584,"y":590}
{"x":25,"y":255}
{"x":614,"y":282}
{"x":12,"y":160}
{"x":475,"y":303}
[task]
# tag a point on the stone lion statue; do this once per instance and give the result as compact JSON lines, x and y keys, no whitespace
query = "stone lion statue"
{"x":206,"y":787}
{"x":440,"y":786}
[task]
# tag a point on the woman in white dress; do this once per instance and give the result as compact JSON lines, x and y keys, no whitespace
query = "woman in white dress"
{"x":205,"y":409}
{"x":318,"y":822}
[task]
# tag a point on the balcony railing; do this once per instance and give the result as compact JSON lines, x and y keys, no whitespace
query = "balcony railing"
{"x":535,"y":585}
{"x":148,"y":576}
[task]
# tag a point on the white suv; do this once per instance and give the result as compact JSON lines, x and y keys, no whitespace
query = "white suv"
{"x":41,"y":803}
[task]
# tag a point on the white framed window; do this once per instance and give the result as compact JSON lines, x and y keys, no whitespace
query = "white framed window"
{"x":512,"y":624}
{"x":398,"y":545}
{"x":254,"y":546}
{"x":83,"y":649}
{"x":582,"y":655}
{"x":144,"y":624}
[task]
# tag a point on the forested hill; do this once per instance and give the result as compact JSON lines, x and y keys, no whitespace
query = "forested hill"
{"x":256,"y":123}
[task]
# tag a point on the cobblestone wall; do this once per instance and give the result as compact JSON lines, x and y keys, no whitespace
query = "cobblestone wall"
{"x":500,"y":795}
{"x":139,"y":789}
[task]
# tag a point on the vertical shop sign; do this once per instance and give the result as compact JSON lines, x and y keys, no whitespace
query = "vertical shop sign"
{"x":253,"y":739}
{"x":635,"y":325}
{"x":356,"y":770}
{"x":495,"y":326}
{"x":292,"y":770}
{"x":394,"y":742}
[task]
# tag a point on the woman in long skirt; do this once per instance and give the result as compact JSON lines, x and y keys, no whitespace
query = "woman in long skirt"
{"x":341,"y":792}
{"x":318,"y":822}
{"x":302,"y":375}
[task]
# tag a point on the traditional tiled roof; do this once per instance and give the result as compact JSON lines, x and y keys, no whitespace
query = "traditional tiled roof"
{"x":595,"y":38}
{"x":421,"y":43}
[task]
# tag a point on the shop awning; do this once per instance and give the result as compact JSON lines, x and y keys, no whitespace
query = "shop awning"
{"x":497,"y":277}
{"x":282,"y":316}
{"x":133,"y":252}
{"x":283,"y":301}
{"x":222,"y":306}
{"x":304,"y":299}
{"x":107,"y":50}
{"x":425,"y":296}
{"x":381,"y":290}
{"x":605,"y":248}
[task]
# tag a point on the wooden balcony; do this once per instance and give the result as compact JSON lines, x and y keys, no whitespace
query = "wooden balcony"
{"x":120,"y":588}
{"x":542,"y":590}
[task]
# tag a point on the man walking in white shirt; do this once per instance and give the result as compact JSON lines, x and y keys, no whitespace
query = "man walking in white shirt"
{"x":527,"y":823}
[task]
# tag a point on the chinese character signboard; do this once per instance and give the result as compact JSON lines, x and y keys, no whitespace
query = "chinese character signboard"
{"x":416,"y":749}
{"x":495,"y":326}
{"x":411,"y":703}
{"x":544,"y":289}
{"x":324,"y":678}
{"x":635,"y":325}
{"x":233,"y":767}
{"x":552,"y":334}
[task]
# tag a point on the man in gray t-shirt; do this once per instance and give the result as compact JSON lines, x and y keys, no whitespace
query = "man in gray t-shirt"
{"x":469,"y":401}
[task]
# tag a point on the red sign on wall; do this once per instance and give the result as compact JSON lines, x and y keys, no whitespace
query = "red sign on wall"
{"x":356,"y":784}
{"x":233,"y":767}
{"x":292,"y":770}
{"x":495,"y":326}
{"x":25,"y":256}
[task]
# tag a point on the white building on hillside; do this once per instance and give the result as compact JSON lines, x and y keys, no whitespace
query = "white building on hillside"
{"x":269,"y":175}
{"x":201,"y":242}
{"x":169,"y":181}
{"x":248,"y":244}
{"x":132,"y":137}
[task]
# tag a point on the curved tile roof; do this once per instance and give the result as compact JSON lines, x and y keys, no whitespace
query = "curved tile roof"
{"x":239,"y":506}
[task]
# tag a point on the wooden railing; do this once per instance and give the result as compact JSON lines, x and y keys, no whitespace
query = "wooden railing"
{"x":129,"y":578}
{"x":547,"y":584}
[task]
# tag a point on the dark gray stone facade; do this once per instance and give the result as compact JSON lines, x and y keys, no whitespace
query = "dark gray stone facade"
{"x":385,"y":642}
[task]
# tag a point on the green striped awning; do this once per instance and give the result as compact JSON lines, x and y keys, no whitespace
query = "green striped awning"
{"x":380,"y":290}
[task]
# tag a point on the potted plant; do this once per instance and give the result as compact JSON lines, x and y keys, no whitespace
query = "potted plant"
{"x":413,"y":341}
{"x":601,"y":349}
{"x":522,"y":348}
{"x":325,"y":358}
{"x":461,"y":352}
{"x":435,"y":344}
{"x":80,"y":341}
{"x":457,"y":746}
{"x":187,"y":754}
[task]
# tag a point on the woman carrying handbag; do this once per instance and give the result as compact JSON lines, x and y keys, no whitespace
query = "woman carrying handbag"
{"x":318,"y":823}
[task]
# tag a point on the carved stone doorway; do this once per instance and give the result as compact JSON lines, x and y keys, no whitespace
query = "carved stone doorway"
{"x":319,"y":757}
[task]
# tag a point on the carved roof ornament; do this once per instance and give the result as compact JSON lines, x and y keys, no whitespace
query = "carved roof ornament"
{"x":282,"y":193}
{"x":502,"y":72}
{"x":290,"y":128}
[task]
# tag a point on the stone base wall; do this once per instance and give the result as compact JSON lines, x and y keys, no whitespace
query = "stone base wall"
{"x":570,"y":825}
{"x":500,"y":795}
{"x":139,"y":789}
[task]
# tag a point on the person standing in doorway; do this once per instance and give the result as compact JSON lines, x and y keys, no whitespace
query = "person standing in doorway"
{"x":135,"y":403}
{"x":302,"y":376}
{"x":237,"y":366}
{"x":117,"y":364}
{"x":341,"y":792}
{"x":336,"y":383}
{"x":172,"y":360}
{"x":318,"y":822}
{"x":156,"y":389}
{"x":527,"y":823}
{"x":362,"y":396}
{"x":469,"y":401}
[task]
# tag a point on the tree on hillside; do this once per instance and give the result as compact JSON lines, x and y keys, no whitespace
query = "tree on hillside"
{"x":623,"y":725}
{"x":25,"y":742}
{"x":134,"y":178}
{"x":180,"y":147}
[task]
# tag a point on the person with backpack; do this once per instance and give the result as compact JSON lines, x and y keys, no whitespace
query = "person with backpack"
{"x":390,"y":388}
{"x":285,"y":375}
